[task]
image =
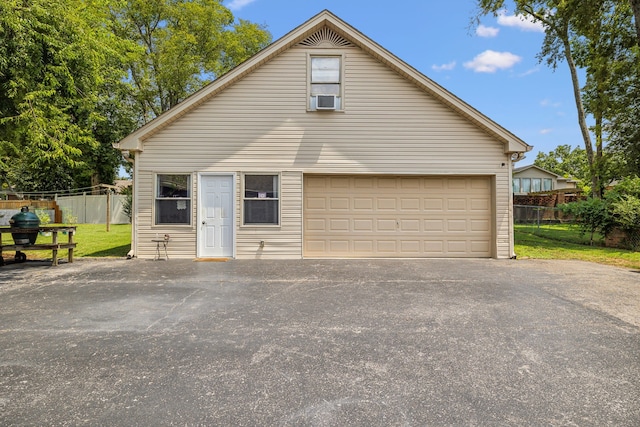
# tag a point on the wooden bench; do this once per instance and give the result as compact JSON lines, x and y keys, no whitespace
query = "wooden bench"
{"x":54,"y":246}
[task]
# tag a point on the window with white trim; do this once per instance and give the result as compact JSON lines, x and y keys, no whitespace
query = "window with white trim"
{"x":536,"y":184}
{"x":516,"y":185}
{"x":325,"y":83}
{"x":261,"y":199}
{"x":173,"y":199}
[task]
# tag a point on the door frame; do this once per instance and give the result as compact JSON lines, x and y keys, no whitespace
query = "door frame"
{"x":199,"y":232}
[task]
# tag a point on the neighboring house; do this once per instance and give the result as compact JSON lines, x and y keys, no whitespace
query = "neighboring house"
{"x":533,"y":179}
{"x":324,"y":144}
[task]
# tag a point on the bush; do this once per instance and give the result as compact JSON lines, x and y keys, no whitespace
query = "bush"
{"x":626,"y":213}
{"x":592,"y":216}
{"x":620,"y":208}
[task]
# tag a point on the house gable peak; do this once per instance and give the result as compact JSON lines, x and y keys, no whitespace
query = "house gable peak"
{"x":325,"y":37}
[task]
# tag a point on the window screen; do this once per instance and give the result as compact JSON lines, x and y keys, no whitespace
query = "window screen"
{"x":261,"y":204}
{"x":173,"y":199}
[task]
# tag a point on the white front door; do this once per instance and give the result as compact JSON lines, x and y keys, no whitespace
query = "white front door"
{"x":215,"y":216}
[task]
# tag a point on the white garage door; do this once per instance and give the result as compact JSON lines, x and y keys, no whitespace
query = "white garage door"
{"x":409,"y":217}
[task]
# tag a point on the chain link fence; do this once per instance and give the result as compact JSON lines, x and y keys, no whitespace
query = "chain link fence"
{"x":543,"y":221}
{"x":538,"y":215}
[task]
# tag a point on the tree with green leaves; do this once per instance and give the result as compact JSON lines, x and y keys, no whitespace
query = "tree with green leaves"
{"x":565,"y":161}
{"x":55,"y":59}
{"x":635,"y":6}
{"x":582,"y":33}
{"x":77,"y":76}
{"x":607,"y":51}
{"x":182,"y":45}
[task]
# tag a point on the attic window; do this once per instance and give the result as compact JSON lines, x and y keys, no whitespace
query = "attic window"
{"x":325,"y":82}
{"x":326,"y":38}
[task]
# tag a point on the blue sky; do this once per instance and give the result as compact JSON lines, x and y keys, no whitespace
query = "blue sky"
{"x":493,"y":67}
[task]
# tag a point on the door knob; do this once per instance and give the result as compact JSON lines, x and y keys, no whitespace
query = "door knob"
{"x":203,"y":222}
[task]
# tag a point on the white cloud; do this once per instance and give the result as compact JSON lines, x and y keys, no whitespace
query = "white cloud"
{"x":549,"y":103}
{"x":444,"y":67}
{"x":484,"y":31}
{"x":239,"y":4}
{"x":530,"y":71}
{"x":546,"y":131}
{"x":524,"y":23}
{"x":491,"y":61}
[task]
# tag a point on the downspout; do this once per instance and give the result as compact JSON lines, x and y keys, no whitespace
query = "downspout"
{"x":515,"y":157}
{"x":134,"y":205}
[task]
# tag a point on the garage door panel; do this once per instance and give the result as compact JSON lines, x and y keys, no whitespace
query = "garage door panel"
{"x":456,"y":246}
{"x":457,"y":225}
{"x":369,"y":216}
{"x":316,"y":225}
{"x":480,"y":246}
{"x":480,"y":204}
{"x":336,"y":245}
{"x":386,"y":204}
{"x":457,"y":183}
{"x":363,"y":246}
{"x":363,"y":225}
{"x":412,"y":204}
{"x":434,"y":247}
{"x":339,"y":203}
{"x":316,"y":246}
{"x":315,"y":203}
{"x":386,"y":246}
{"x":434,"y":184}
{"x":433,"y":225}
{"x":432,"y":204}
{"x":481,"y":184}
{"x":457,"y":204}
{"x":411,"y":246}
{"x":409,"y":225}
{"x":410,"y":183}
{"x":361,"y":183}
{"x":339,"y":182}
{"x":339,"y":225}
{"x":387,"y":183}
{"x":363,"y":204}
{"x":386,"y":225}
{"x":480,"y":225}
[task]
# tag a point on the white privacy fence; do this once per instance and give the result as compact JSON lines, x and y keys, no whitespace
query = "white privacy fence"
{"x":90,"y":209}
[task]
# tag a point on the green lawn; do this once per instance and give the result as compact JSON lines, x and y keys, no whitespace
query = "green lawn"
{"x":556,"y":241}
{"x":563,"y":241}
{"x":92,"y":240}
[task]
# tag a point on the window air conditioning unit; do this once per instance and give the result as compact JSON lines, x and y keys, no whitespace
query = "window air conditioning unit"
{"x":325,"y":102}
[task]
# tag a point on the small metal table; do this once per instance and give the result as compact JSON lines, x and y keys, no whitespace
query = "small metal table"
{"x":161,"y":245}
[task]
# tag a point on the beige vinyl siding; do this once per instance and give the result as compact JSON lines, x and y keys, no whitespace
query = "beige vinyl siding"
{"x":261,"y":123}
{"x":183,"y":237}
{"x":282,"y":242}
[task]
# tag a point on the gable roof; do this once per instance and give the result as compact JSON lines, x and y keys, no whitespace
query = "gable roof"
{"x":325,"y":19}
{"x":559,"y":177}
{"x":524,"y":168}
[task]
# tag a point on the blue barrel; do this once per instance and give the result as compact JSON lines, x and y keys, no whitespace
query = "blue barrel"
{"x":24,"y":219}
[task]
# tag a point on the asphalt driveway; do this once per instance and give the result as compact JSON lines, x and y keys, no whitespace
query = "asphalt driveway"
{"x":320,"y":343}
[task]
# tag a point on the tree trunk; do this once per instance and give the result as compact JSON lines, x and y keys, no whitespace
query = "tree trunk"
{"x":584,"y":128}
{"x":597,"y":179}
{"x":95,"y":182}
{"x":635,"y":5}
